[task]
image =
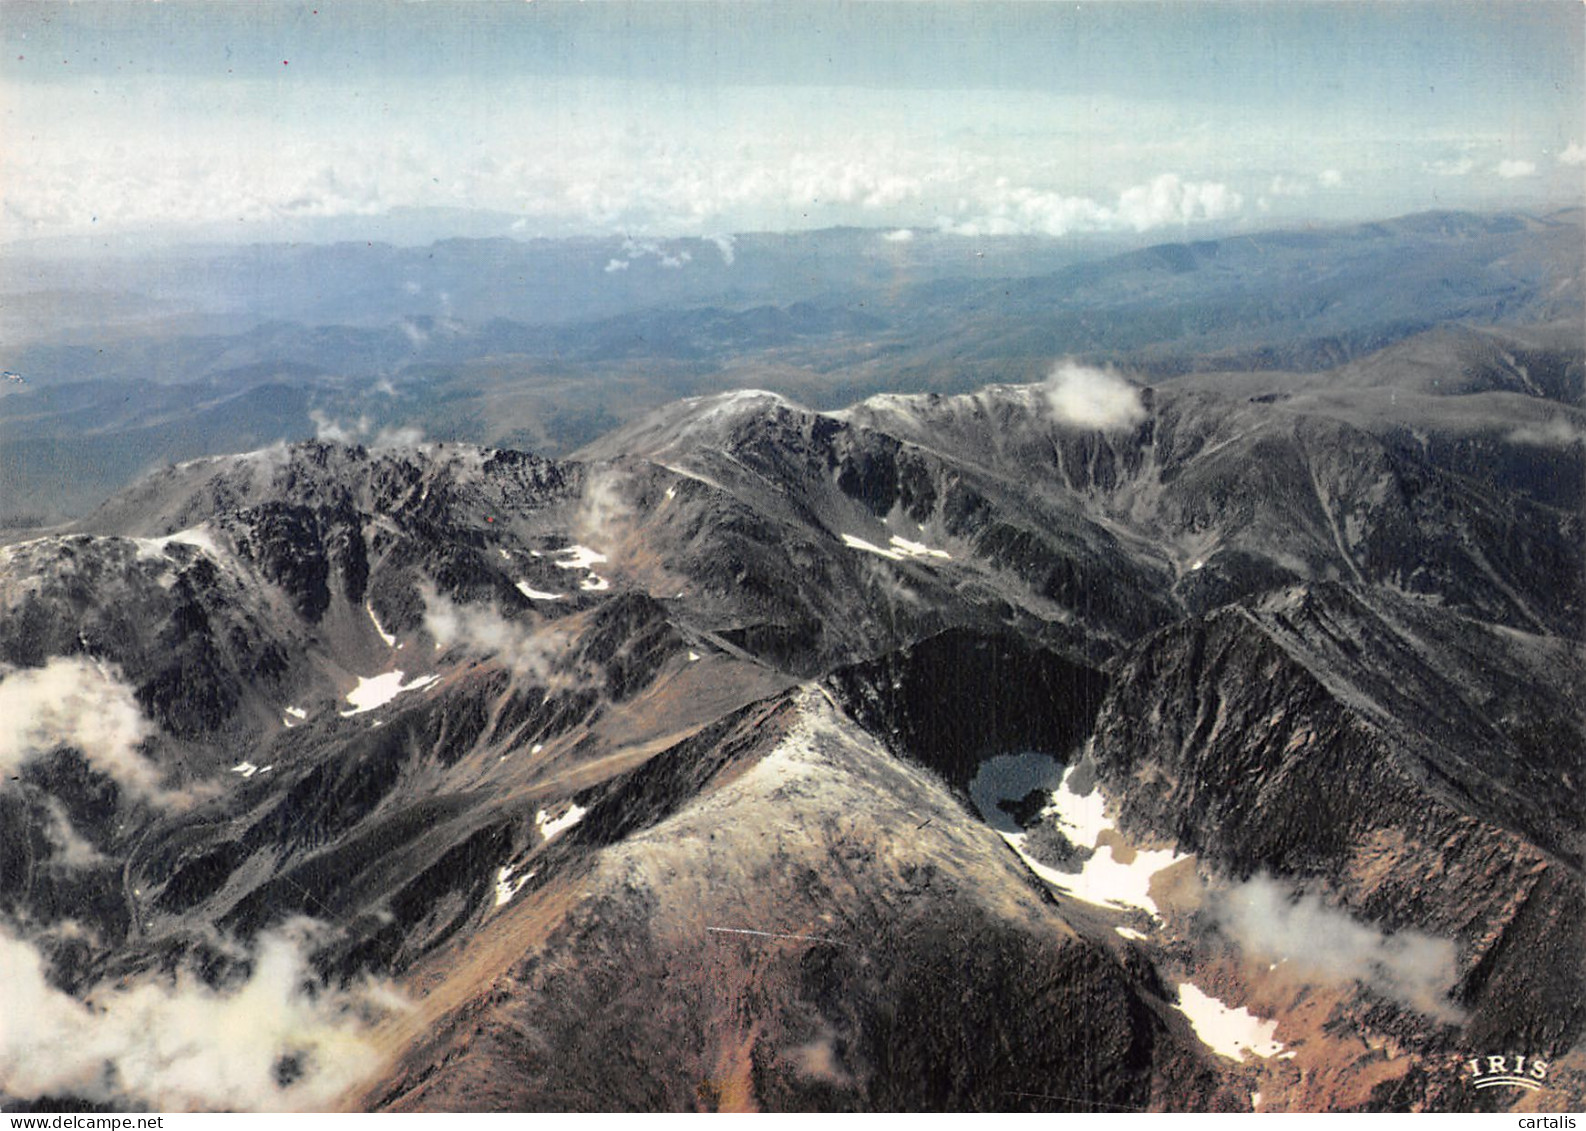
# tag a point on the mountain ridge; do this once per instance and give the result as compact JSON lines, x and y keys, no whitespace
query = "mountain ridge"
{"x":667,"y":748}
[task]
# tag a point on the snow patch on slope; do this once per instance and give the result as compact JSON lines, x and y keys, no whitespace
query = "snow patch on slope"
{"x":1115,"y":874}
{"x":898,"y":549}
{"x":390,"y":641}
{"x":871,"y":548}
{"x":196,"y":536}
{"x":507,"y":886}
{"x":917,"y":549}
{"x":377,"y":691}
{"x":550,"y":828}
{"x":1227,"y":1032}
{"x":582,"y":557}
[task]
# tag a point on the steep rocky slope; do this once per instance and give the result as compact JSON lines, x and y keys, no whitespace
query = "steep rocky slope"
{"x":967,"y":752}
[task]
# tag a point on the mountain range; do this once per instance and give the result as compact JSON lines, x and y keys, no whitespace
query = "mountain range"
{"x":536,"y":345}
{"x":1194,"y":724}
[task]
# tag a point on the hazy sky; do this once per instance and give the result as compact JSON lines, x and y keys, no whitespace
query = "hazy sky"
{"x":702,"y":118}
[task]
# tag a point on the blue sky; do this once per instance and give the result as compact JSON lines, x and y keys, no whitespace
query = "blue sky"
{"x":658,"y":118}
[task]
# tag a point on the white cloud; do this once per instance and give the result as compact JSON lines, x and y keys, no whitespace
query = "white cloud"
{"x":416,"y":335}
{"x":70,"y":848}
{"x":331,"y":430}
{"x":1092,"y":398}
{"x":1323,"y":942}
{"x":727,"y":246}
{"x":1451,"y":166}
{"x":327,"y":429}
{"x":1511,"y":168}
{"x":1574,"y":154}
{"x":818,"y":1060}
{"x":1288,"y":186}
{"x":777,"y":159}
{"x":1557,"y":431}
{"x":1169,"y":200}
{"x":1330,"y":178}
{"x":408,"y":437}
{"x":899,"y":235}
{"x":1165,"y":200}
{"x":82,"y":704}
{"x":603,"y":515}
{"x":672,"y":258}
{"x":584,"y":156}
{"x":180,"y":1045}
{"x":540,"y":652}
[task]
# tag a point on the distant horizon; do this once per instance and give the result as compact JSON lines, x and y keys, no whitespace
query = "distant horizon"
{"x":178,"y":121}
{"x":180,"y":240}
